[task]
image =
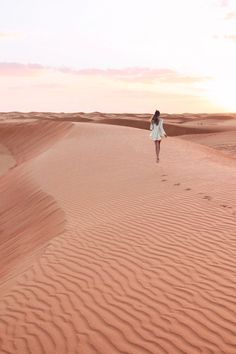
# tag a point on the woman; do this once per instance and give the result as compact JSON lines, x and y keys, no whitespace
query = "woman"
{"x":157,"y":132}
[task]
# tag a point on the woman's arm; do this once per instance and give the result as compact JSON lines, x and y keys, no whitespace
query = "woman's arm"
{"x":151,"y":122}
{"x":162,"y":129}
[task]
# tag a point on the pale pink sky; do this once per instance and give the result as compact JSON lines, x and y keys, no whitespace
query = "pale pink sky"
{"x":118,"y":56}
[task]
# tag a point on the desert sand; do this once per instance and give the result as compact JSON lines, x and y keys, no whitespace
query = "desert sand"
{"x":105,"y":251}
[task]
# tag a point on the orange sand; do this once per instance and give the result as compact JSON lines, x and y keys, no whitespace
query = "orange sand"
{"x":6,"y":160}
{"x":105,"y":251}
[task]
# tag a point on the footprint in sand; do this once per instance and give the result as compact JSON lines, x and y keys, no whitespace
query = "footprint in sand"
{"x":163,"y":175}
{"x":207,"y":197}
{"x":177,"y":184}
{"x":164,"y":180}
{"x":225,"y":206}
{"x":188,"y":189}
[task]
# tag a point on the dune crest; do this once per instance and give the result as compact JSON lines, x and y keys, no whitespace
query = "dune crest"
{"x":29,"y":217}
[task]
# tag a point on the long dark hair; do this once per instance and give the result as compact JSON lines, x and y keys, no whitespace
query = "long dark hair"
{"x":155,"y":118}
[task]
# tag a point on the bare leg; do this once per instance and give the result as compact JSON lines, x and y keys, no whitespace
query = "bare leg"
{"x":157,"y":147}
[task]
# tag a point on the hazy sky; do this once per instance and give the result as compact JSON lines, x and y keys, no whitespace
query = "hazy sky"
{"x":118,"y":56}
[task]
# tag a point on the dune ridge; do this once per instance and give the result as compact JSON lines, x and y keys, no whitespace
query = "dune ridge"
{"x":29,"y":217}
{"x":145,"y":263}
{"x":26,"y":140}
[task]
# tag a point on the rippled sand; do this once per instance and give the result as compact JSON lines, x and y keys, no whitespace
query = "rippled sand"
{"x":105,"y":251}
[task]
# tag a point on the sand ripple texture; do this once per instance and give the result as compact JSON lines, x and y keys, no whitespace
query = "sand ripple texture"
{"x":146,"y":261}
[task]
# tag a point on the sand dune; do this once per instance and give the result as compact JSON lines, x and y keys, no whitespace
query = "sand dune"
{"x":29,"y":217}
{"x":144,"y":257}
{"x":25,"y":140}
{"x":176,"y":124}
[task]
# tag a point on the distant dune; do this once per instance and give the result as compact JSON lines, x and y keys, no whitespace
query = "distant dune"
{"x":104,"y":251}
{"x":193,"y":127}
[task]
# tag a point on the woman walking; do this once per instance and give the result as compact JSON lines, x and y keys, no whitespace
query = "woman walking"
{"x":157,"y":132}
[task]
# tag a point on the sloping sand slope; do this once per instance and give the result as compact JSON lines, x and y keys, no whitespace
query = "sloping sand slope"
{"x":146,"y":262}
{"x":29,"y":216}
{"x":6,"y":160}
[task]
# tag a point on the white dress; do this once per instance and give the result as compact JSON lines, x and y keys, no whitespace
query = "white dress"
{"x":157,"y":131}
